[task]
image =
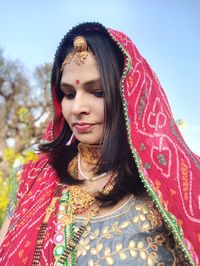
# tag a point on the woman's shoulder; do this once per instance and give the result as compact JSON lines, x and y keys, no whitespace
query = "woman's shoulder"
{"x":139,"y":211}
{"x":33,"y":168}
{"x":28,"y":176}
{"x":35,"y":165}
{"x":33,"y":173}
{"x":145,"y":214}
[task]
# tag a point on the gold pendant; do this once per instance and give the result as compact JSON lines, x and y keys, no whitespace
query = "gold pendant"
{"x":79,"y":199}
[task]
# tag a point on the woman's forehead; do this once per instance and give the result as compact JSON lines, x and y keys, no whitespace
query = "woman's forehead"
{"x":85,"y":72}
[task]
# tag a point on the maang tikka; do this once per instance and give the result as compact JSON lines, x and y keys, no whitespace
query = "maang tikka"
{"x":80,"y":53}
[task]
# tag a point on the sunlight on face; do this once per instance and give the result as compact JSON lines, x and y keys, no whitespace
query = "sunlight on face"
{"x":83,"y":102}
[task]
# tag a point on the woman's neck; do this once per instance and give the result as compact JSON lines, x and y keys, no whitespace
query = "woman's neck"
{"x":90,"y":154}
{"x":85,"y":165}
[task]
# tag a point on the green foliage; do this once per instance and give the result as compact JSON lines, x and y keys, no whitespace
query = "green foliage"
{"x":23,"y":114}
{"x":9,"y":183}
{"x":5,"y":185}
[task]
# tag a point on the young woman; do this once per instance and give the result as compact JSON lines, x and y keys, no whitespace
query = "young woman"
{"x":115,"y":182}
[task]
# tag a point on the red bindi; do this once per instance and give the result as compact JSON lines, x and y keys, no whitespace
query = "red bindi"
{"x":77,"y":81}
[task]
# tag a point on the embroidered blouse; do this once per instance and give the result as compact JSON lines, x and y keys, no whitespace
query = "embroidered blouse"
{"x":132,"y":235}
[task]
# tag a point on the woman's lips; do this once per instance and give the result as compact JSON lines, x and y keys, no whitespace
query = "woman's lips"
{"x":83,"y":128}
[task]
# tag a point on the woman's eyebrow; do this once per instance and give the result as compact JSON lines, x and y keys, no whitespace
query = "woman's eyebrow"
{"x":87,"y":84}
{"x":64,"y":86}
{"x":91,"y":83}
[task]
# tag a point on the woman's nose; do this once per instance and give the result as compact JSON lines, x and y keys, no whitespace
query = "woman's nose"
{"x":80,"y":105}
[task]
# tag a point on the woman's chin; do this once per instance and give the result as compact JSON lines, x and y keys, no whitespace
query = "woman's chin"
{"x":86,"y":139}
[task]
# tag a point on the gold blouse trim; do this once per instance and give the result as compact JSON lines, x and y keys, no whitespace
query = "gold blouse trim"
{"x":112,"y":214}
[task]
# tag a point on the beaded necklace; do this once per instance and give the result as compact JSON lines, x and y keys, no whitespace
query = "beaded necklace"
{"x":74,"y":201}
{"x":90,"y":179}
{"x":43,"y":227}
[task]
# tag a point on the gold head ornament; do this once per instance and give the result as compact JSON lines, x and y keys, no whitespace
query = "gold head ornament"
{"x":80,"y":53}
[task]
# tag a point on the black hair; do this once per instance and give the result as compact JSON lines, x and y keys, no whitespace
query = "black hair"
{"x":115,"y":154}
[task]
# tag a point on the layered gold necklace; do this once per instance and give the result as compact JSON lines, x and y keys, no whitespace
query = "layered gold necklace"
{"x":89,"y":154}
{"x":72,"y":200}
{"x":75,"y":201}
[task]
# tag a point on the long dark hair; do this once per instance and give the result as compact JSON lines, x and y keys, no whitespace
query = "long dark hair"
{"x":115,"y":154}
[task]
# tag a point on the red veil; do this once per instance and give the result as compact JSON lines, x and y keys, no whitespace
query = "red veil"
{"x":168,"y":169}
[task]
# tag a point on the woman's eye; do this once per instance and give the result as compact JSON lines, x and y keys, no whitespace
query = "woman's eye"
{"x":99,"y":93}
{"x":69,"y":95}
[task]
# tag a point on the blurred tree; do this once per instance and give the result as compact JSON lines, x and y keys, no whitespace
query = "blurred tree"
{"x":25,"y":105}
{"x":25,"y":111}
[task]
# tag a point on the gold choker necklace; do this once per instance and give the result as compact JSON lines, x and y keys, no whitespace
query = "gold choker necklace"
{"x":89,"y":153}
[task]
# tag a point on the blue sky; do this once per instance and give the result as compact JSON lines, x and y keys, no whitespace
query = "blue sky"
{"x":167,"y":33}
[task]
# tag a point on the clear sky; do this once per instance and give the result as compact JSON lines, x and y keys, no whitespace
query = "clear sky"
{"x":167,"y":33}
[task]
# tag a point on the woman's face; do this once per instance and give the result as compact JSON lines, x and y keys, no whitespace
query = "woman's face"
{"x":83,"y":102}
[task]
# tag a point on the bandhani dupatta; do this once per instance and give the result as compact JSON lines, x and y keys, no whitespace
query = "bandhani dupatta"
{"x":169,"y":170}
{"x":167,"y":167}
{"x":38,"y":182}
